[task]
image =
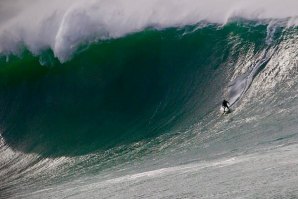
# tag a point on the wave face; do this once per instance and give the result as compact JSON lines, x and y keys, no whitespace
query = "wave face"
{"x":114,"y":92}
{"x":147,"y":100}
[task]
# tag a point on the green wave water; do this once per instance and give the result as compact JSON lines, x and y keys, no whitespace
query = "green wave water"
{"x":119,"y":91}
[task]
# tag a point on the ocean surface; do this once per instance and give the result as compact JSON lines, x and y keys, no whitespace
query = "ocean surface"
{"x":136,"y":113}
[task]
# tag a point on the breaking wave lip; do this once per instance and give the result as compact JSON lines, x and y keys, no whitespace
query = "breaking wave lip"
{"x":64,"y":26}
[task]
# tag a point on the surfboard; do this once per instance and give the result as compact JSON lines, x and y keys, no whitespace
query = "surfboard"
{"x":222,"y":110}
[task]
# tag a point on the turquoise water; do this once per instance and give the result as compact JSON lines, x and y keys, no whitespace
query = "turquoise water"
{"x":117,"y":91}
{"x":141,"y":102}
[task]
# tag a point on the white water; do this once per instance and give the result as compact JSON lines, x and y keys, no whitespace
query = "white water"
{"x":64,"y":25}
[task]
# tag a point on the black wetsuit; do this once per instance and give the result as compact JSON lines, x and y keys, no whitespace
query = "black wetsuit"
{"x":225,"y":105}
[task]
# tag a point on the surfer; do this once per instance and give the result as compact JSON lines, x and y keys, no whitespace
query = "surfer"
{"x":225,"y":104}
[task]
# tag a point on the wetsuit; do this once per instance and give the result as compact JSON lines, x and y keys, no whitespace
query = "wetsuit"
{"x":225,"y":105}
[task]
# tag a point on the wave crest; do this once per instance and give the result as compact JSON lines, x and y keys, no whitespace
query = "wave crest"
{"x":63,"y":26}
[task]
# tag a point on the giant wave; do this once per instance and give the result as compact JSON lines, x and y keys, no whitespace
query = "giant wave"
{"x":99,"y":96}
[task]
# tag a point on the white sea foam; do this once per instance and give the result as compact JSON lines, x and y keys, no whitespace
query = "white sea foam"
{"x":63,"y":25}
